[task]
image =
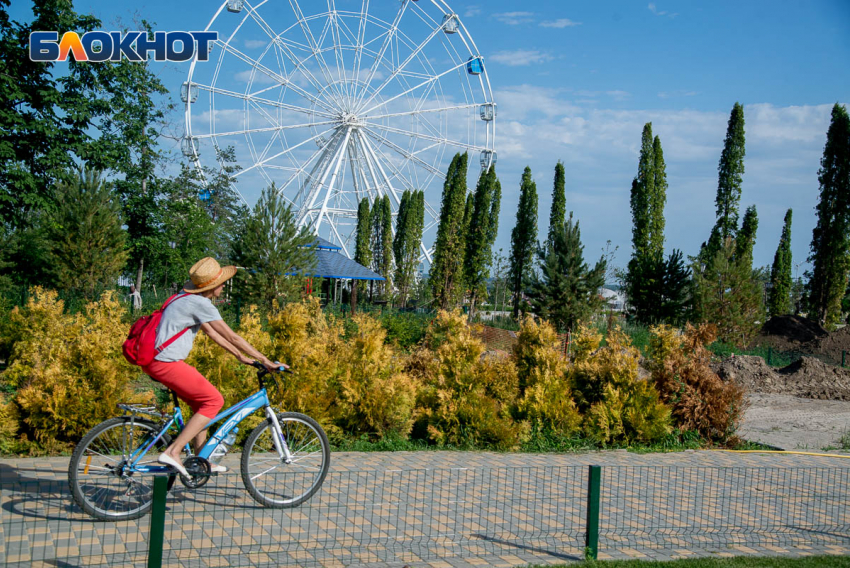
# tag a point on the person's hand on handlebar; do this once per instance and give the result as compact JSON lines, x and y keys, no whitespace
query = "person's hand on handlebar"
{"x":269,"y":365}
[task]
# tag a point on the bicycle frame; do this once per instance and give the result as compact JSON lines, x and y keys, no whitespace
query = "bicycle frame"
{"x":237,"y":413}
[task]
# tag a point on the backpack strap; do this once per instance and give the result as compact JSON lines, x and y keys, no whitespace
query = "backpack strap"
{"x":177,"y":336}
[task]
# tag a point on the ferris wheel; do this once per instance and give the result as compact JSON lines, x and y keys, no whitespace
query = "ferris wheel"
{"x":340,"y":105}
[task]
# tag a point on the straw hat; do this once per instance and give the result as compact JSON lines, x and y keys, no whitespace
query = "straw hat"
{"x":207,"y":274}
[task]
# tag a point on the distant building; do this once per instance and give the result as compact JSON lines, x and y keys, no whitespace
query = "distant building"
{"x":614,"y":299}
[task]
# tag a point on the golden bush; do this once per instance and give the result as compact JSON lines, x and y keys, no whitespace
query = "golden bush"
{"x":69,"y":370}
{"x":617,"y":406}
{"x":681,"y":371}
{"x":464,"y":400}
{"x":546,"y":396}
{"x":376,"y":395}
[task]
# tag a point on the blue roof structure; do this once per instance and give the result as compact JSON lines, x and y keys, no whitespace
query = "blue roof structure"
{"x":331,"y":264}
{"x":325,"y":244}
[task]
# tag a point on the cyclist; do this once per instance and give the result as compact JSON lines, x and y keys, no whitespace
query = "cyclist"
{"x":193,"y":311}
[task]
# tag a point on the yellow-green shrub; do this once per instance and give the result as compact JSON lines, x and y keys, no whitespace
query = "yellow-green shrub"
{"x":464,"y":399}
{"x":617,"y":406}
{"x":681,"y":371}
{"x":69,"y":369}
{"x":376,"y":396}
{"x":546,"y":396}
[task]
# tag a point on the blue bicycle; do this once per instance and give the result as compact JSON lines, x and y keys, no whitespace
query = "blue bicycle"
{"x":284,"y":461}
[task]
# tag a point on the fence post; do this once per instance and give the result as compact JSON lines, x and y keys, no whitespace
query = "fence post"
{"x":769,"y":356}
{"x":594,"y":483}
{"x":157,"y":530}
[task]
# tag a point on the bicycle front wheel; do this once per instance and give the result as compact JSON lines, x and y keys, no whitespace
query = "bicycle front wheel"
{"x":99,"y":477}
{"x":273,"y":482}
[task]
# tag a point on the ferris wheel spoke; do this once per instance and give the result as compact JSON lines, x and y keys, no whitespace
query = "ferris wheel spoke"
{"x":333,"y":18}
{"x":418,"y":86}
{"x":276,"y":76}
{"x":420,"y":111}
{"x":269,"y":129}
{"x":455,"y":143}
{"x":404,"y":152}
{"x":279,"y":154}
{"x":260,"y":100}
{"x":380,"y":55}
{"x":314,"y":47}
{"x":361,"y":38}
{"x":401,"y":66}
{"x":284,"y":49}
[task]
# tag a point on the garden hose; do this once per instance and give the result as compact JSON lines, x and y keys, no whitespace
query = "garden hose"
{"x":784,"y":452}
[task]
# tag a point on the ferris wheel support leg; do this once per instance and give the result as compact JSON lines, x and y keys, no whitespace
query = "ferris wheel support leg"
{"x":329,"y":190}
{"x":381,"y":169}
{"x":369,"y":167}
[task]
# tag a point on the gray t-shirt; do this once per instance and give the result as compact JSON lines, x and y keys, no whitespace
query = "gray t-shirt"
{"x":189,"y":311}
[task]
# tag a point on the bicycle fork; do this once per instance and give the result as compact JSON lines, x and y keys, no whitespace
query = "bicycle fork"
{"x":279,"y":441}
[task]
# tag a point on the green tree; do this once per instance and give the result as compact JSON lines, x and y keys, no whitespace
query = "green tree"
{"x":410,"y":222}
{"x":523,"y":239}
{"x":657,"y":199}
{"x":643,"y":188}
{"x":382,"y":238}
{"x":728,"y":296}
{"x":86,"y":250}
{"x":659,"y":290}
{"x":480,"y":236}
{"x":730,"y":175}
{"x":779,"y":297}
{"x":567,"y":290}
{"x":362,"y":248}
{"x":557,"y":215}
{"x":446,"y":275}
{"x":746,"y":239}
{"x":275,"y":253}
{"x":830,"y":247}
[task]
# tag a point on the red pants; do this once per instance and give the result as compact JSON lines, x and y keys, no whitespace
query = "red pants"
{"x":189,"y":385}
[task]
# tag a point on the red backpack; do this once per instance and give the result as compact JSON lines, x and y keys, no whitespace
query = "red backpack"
{"x":140,"y":347}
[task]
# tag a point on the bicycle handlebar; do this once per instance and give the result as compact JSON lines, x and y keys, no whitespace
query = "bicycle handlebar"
{"x":262,"y":370}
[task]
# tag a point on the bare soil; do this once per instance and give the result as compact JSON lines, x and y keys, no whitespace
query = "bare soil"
{"x":792,"y":423}
{"x":806,"y":378}
{"x":789,"y":333}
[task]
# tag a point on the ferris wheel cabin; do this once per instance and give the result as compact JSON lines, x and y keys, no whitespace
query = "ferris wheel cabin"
{"x":488,"y":158}
{"x":475,"y":65}
{"x":488,"y":111}
{"x":450,"y":24}
{"x":234,"y":6}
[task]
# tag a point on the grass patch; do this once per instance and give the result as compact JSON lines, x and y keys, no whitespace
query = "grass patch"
{"x":735,"y":562}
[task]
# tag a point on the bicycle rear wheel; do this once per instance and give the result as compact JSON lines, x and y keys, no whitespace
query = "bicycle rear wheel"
{"x":268,"y":478}
{"x":98,"y":476}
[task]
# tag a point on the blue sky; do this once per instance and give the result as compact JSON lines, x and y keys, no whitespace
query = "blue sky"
{"x":576,"y":81}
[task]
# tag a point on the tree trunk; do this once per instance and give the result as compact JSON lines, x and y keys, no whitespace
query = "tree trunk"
{"x":354,"y":287}
{"x":139,"y":275}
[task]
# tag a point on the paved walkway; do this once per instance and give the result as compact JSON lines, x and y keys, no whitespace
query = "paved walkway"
{"x":454,"y":509}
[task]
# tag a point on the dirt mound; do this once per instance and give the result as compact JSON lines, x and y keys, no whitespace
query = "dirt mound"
{"x":830,"y":345}
{"x":812,"y":378}
{"x":788,"y":333}
{"x":806,"y":378}
{"x":750,"y":372}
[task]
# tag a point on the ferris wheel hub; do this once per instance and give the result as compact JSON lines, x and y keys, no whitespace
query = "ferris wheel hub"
{"x":348,"y":119}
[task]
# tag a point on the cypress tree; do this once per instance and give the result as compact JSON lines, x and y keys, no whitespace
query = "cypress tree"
{"x":408,"y":235}
{"x":559,"y":202}
{"x":747,"y":236}
{"x":643,"y":188}
{"x":830,"y":247}
{"x":523,"y":238}
{"x":480,"y":236}
{"x":386,"y":246}
{"x":566,"y":292}
{"x":779,"y":298}
{"x":362,"y":248}
{"x":447,"y":269}
{"x":657,"y":199}
{"x":730,"y":175}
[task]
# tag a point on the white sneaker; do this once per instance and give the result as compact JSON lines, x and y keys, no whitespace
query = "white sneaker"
{"x":168,"y":460}
{"x":217,"y":468}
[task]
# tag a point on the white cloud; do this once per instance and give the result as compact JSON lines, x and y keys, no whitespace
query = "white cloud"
{"x":652,"y":8}
{"x":619,"y":95}
{"x":515,"y":18}
{"x":675,"y":94}
{"x":472,"y":11}
{"x":520,"y":57}
{"x":559,"y":23}
{"x":255,"y":43}
{"x":259,"y":77}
